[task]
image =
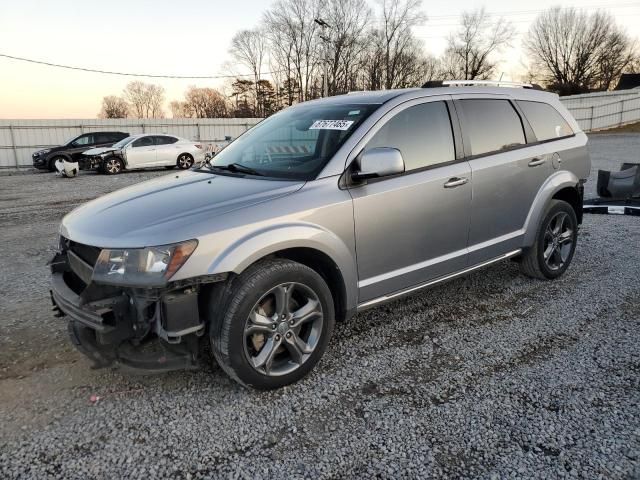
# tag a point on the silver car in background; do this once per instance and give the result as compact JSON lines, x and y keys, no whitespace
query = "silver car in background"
{"x":322,"y":210}
{"x":147,"y":150}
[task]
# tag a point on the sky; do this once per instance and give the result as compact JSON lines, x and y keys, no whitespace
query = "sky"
{"x":190,"y":37}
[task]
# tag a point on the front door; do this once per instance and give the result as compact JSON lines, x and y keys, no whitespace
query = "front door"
{"x":142,"y":153}
{"x":413,"y":227}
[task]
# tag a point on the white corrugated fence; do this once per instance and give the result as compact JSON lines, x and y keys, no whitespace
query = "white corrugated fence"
{"x":20,"y":138}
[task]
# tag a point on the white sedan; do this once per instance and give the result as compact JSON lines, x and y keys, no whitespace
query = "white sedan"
{"x":147,"y":151}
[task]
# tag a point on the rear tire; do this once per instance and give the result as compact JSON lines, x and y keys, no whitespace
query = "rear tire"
{"x":271,"y":324}
{"x":555,"y":244}
{"x":185,"y":161}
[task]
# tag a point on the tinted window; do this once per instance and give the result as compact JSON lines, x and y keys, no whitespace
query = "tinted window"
{"x":83,"y":140}
{"x":105,"y":138}
{"x":545,"y":120}
{"x":143,"y":142}
{"x":492,"y":125}
{"x":422,"y":134}
{"x":165,"y":140}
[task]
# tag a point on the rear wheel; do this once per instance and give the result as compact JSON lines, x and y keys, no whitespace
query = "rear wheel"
{"x":185,"y":161}
{"x":551,"y":254}
{"x":112,"y":166}
{"x":277,"y":320}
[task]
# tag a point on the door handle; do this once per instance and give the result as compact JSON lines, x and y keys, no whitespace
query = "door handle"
{"x":455,"y":182}
{"x":535,"y":162}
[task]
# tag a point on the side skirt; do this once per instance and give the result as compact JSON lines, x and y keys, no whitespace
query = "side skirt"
{"x":430,"y":283}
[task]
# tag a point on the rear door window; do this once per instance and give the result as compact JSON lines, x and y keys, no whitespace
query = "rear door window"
{"x":491,"y":125}
{"x":422,"y":133}
{"x":165,"y":140}
{"x":545,"y":120}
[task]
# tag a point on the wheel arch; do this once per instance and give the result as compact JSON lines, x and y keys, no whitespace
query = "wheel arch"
{"x":562,"y":185}
{"x":309,"y":245}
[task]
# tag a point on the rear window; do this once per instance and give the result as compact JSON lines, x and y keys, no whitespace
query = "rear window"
{"x":492,"y":125}
{"x":545,"y":120}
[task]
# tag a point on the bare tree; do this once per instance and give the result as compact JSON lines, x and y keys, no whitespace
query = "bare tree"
{"x":145,"y":100}
{"x":291,"y":22}
{"x":348,"y":20}
{"x":248,"y":47}
{"x":205,"y":103}
{"x":470,"y":52}
{"x":398,"y":18}
{"x":574,"y":51}
{"x":113,"y":107}
{"x":180,"y":109}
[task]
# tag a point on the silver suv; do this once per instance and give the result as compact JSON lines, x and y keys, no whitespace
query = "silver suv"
{"x":324,"y":209}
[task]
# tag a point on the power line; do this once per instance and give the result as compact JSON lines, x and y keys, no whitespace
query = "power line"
{"x":126,"y":74}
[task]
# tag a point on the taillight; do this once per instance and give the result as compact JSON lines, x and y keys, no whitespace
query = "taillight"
{"x":199,"y":146}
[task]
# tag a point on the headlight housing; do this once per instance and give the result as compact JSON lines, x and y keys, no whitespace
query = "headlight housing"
{"x":142,"y":267}
{"x":43,"y":152}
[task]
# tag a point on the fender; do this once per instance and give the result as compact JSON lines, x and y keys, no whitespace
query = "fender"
{"x":550,"y":187}
{"x":256,"y":245}
{"x":66,"y":156}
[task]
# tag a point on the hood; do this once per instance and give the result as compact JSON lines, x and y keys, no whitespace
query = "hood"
{"x":98,"y":151}
{"x":168,"y":209}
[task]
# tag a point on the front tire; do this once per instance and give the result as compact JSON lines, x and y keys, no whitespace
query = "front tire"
{"x":185,"y":161}
{"x":272,"y":324}
{"x":112,"y":166}
{"x":555,"y":244}
{"x":51,"y":166}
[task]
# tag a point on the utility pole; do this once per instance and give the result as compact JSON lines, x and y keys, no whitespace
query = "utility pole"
{"x":325,"y":40}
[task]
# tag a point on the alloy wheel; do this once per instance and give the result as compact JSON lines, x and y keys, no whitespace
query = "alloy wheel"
{"x":185,"y":161}
{"x":283,"y":329}
{"x":112,"y":166}
{"x":558,"y":241}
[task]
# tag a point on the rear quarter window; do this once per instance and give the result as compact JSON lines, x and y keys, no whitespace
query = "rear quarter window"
{"x":545,"y":120}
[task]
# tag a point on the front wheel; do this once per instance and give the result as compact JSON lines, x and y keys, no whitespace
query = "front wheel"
{"x":112,"y":166}
{"x":277,"y":320}
{"x":555,"y":244}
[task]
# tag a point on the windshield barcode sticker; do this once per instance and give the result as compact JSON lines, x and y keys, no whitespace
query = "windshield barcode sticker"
{"x":331,"y":125}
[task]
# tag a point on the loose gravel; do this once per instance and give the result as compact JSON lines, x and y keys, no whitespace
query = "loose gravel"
{"x":490,"y":376}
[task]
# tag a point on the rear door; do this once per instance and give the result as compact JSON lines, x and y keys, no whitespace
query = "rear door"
{"x":413,"y":227}
{"x":166,"y":150}
{"x":508,"y":169}
{"x":142,"y":153}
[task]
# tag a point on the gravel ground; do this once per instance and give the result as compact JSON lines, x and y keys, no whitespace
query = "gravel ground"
{"x":490,"y":376}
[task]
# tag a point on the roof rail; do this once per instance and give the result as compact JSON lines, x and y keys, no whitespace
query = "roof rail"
{"x":479,"y":83}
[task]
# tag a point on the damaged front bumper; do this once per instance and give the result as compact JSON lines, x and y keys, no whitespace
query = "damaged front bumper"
{"x":152,"y":329}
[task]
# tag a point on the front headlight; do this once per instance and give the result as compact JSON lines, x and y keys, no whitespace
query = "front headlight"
{"x":43,"y":152}
{"x":142,"y":267}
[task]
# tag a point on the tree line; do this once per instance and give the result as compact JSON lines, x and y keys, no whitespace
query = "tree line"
{"x":304,"y":48}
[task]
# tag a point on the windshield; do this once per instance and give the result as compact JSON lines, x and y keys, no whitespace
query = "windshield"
{"x":122,"y":142}
{"x":295,"y":143}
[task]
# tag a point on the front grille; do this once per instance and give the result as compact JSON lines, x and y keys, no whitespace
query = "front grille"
{"x":87,"y":253}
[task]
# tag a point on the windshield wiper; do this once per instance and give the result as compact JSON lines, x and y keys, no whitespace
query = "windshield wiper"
{"x":238,"y":167}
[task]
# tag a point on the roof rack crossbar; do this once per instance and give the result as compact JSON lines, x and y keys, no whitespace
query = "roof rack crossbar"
{"x":478,"y":83}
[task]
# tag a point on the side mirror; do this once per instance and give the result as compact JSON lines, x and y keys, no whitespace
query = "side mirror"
{"x":378,"y":162}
